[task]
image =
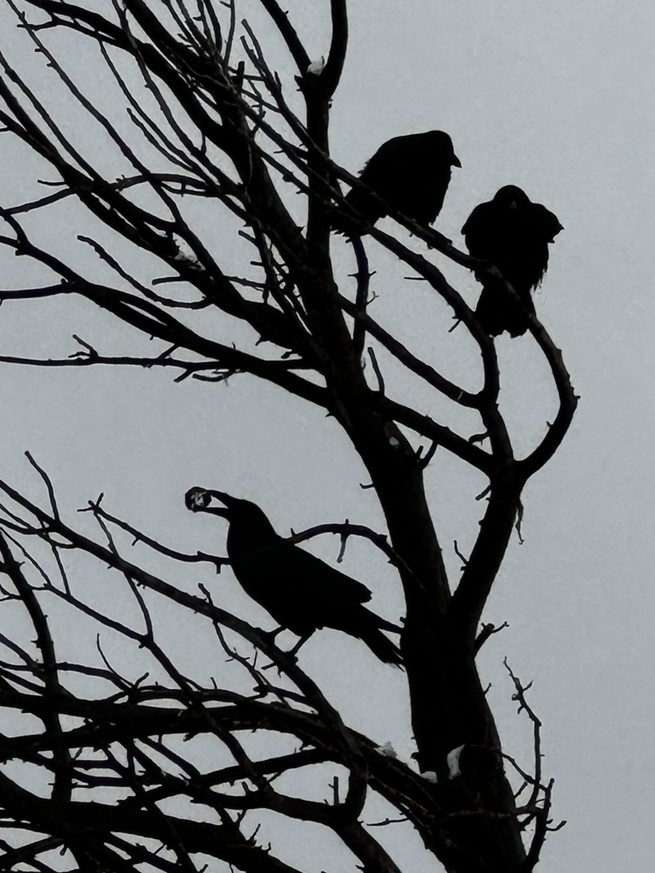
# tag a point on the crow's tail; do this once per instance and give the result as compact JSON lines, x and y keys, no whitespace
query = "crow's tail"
{"x":498,"y":311}
{"x":368,"y":630}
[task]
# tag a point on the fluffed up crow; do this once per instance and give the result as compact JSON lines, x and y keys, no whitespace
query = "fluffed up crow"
{"x":301,"y":592}
{"x":408,"y":174}
{"x":513,"y":234}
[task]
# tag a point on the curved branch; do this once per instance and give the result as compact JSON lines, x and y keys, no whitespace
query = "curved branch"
{"x":288,"y":34}
{"x":373,"y":857}
{"x":405,"y":357}
{"x":331,"y":73}
{"x":568,"y":402}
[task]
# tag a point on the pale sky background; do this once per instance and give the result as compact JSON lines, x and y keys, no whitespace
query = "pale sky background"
{"x":555,"y":97}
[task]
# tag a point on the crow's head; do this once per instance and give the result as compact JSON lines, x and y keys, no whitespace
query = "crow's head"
{"x":234,"y":509}
{"x":443,"y":146}
{"x":511,"y":196}
{"x":200,"y":500}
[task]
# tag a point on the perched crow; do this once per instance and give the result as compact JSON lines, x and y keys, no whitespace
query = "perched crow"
{"x":513,"y":234}
{"x":301,"y":592}
{"x":409,"y":174}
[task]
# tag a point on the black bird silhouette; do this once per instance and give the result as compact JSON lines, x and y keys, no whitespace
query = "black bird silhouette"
{"x":513,"y":234}
{"x":408,"y":174}
{"x":301,"y":592}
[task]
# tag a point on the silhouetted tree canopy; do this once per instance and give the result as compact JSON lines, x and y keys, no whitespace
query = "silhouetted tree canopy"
{"x":189,"y":198}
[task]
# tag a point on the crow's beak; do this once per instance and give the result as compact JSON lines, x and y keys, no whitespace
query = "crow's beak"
{"x":456,"y":161}
{"x":198,"y":500}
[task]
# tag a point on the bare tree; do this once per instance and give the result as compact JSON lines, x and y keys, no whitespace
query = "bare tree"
{"x":112,"y":780}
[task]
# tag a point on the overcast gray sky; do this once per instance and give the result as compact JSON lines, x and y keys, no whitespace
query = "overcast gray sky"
{"x":555,"y":97}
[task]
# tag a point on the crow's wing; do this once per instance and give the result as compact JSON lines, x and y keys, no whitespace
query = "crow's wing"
{"x":299,"y":590}
{"x":304,"y":570}
{"x":480,"y":231}
{"x":387,"y":158}
{"x":382,"y":174}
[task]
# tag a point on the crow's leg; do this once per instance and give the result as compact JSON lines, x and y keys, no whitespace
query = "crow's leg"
{"x":303,"y":639}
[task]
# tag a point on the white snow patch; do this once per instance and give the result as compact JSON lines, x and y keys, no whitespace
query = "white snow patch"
{"x":185,"y":255}
{"x":316,"y":67}
{"x":452,"y":759}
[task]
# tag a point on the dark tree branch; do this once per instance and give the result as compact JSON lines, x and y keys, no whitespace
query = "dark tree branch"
{"x":61,"y":790}
{"x":284,"y":26}
{"x":331,"y":73}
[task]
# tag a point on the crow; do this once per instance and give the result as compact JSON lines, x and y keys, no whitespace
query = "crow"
{"x":408,"y":174}
{"x":513,"y":234}
{"x":301,"y":592}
